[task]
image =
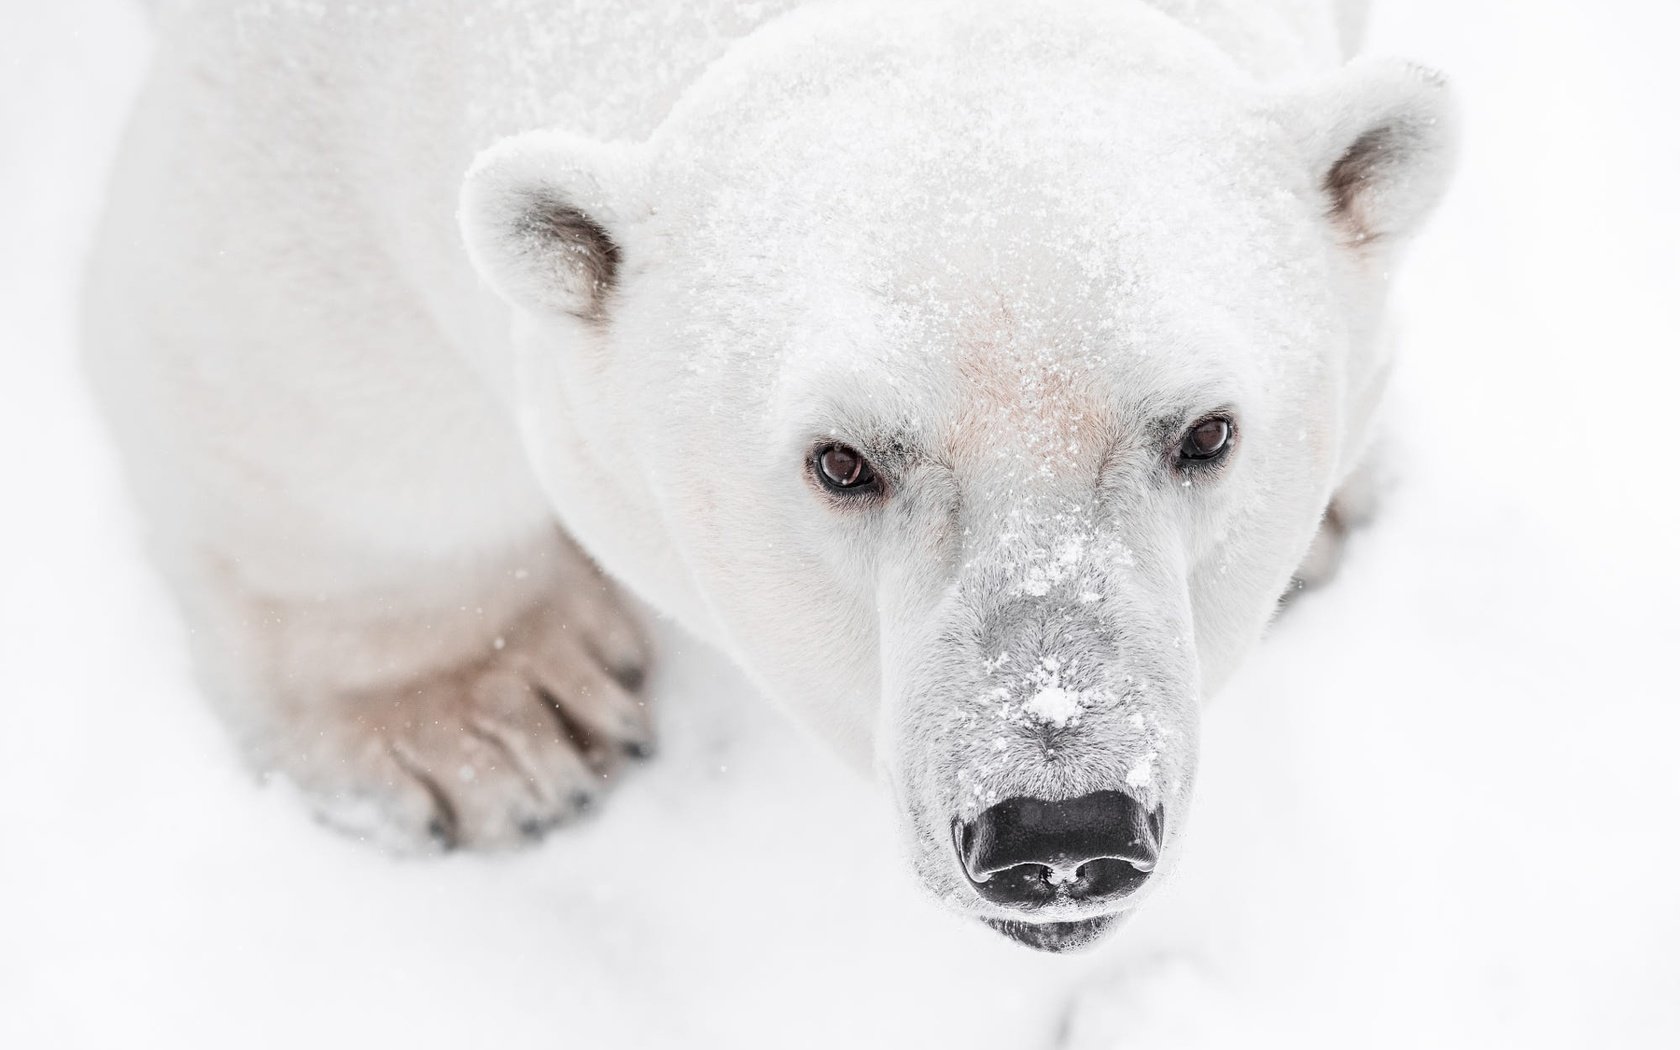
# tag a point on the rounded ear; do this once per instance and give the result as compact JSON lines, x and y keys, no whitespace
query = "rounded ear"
{"x":1382,"y":138}
{"x":542,"y":213}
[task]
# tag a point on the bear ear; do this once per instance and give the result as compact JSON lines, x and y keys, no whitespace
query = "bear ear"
{"x":542,"y":215}
{"x":1382,"y":138}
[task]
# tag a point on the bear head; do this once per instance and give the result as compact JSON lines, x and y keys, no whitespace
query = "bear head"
{"x":976,"y":375}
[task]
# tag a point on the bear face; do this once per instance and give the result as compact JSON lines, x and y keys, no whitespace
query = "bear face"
{"x":977,"y":378}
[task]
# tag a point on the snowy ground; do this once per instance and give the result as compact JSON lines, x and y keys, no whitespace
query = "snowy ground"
{"x":1440,"y":808}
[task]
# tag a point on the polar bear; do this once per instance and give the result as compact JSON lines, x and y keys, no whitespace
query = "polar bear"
{"x":976,"y":375}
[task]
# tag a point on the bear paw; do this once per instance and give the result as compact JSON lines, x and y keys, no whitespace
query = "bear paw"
{"x":491,"y":752}
{"x":1354,"y":505}
{"x":1324,"y":557}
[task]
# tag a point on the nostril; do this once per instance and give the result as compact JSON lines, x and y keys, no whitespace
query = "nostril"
{"x":1029,"y":852}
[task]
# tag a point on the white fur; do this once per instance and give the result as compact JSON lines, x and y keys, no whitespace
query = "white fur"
{"x":1005,"y":244}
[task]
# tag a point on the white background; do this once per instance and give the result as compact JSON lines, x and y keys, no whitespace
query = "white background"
{"x":1439,"y":807}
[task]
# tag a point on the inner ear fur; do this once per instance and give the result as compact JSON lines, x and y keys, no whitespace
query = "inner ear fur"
{"x":576,"y":249}
{"x":541,"y":215}
{"x":1381,"y":136}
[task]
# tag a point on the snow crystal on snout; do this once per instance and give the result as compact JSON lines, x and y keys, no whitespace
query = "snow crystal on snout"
{"x":1143,"y":774}
{"x":1053,"y":705}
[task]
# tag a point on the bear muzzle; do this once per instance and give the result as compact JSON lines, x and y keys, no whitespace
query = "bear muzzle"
{"x":1033,"y":855}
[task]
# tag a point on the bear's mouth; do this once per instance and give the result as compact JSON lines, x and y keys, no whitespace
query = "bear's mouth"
{"x":1055,"y":936}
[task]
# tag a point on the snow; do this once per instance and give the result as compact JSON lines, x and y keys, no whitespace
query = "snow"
{"x":1142,"y":774}
{"x":1054,"y":705}
{"x":1438,"y":808}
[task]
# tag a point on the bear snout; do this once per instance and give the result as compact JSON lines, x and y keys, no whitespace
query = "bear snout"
{"x":1029,"y":853}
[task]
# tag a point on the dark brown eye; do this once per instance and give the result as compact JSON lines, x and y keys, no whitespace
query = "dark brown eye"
{"x":843,"y":469}
{"x":1206,"y":441}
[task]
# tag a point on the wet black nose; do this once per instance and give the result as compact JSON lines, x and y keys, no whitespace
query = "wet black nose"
{"x":1029,"y":852}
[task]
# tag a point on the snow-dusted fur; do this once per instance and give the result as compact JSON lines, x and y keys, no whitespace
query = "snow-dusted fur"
{"x":384,"y":290}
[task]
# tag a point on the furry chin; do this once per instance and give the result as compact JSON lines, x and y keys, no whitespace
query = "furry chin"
{"x":1056,"y":936}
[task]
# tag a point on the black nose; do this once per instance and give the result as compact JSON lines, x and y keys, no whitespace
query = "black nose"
{"x":1029,"y":852}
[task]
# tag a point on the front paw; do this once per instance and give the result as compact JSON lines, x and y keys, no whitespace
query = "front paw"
{"x":1324,"y":556}
{"x":1353,"y":506}
{"x":490,"y":752}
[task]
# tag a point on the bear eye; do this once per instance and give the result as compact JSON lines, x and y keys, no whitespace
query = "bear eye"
{"x":843,"y":469}
{"x":1206,"y":441}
